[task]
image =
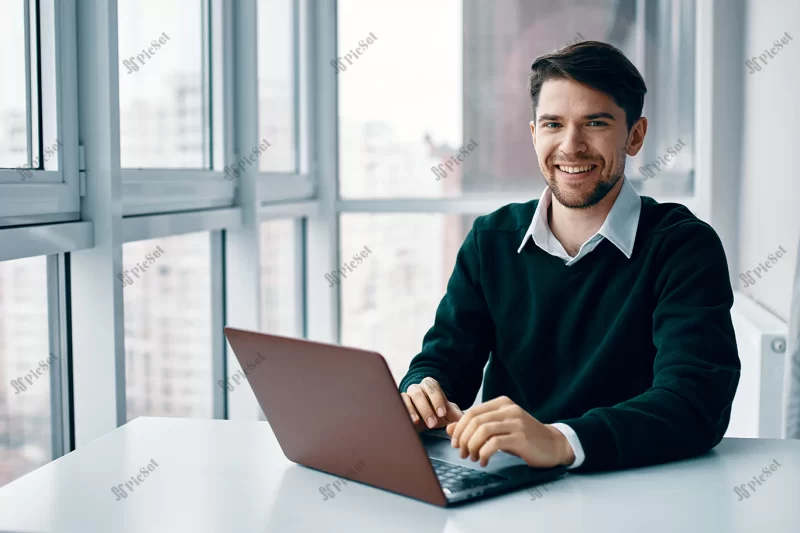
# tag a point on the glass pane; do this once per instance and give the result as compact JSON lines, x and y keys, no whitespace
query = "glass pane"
{"x":13,"y":122}
{"x":408,"y":106}
{"x":25,"y":414}
{"x":276,"y":85}
{"x":281,"y":302}
{"x":167,"y":290}
{"x":162,"y":84}
{"x":389,"y":299}
{"x":669,"y":103}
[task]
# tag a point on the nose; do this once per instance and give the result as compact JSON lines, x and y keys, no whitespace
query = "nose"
{"x":572,"y":142}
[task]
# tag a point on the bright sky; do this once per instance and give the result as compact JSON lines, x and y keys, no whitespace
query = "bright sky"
{"x":12,"y":58}
{"x":411,"y":77}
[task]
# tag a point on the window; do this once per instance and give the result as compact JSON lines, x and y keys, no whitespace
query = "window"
{"x":25,"y":362}
{"x":27,"y":100}
{"x":408,"y":106}
{"x":148,"y":312}
{"x":163,"y":97}
{"x":13,"y":92}
{"x":276,"y":84}
{"x":281,"y":279}
{"x":389,"y":300}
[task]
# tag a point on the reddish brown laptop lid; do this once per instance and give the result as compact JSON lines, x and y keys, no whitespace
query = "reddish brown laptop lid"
{"x":337,"y":409}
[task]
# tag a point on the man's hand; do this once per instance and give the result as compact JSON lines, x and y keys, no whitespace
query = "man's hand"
{"x":428,"y":407}
{"x":500,"y":424}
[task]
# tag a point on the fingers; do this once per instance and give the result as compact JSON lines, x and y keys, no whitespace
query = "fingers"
{"x":474,"y":417}
{"x":471,"y":413}
{"x":421,"y":403}
{"x":454,"y":413}
{"x":435,"y":395}
{"x":412,"y":411}
{"x":484,"y":433}
{"x":419,"y":425}
{"x":493,"y":445}
{"x":511,"y":429}
{"x":426,"y":397}
{"x":475,"y":426}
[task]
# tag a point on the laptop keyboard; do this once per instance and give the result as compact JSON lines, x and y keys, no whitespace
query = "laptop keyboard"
{"x":454,"y":478}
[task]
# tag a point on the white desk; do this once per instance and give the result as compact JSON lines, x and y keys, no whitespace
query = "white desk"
{"x":232,"y":477}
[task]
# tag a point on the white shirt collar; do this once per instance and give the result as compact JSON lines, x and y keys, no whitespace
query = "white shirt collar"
{"x":619,"y":226}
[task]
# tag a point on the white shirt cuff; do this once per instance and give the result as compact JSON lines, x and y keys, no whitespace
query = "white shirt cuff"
{"x":574,"y":442}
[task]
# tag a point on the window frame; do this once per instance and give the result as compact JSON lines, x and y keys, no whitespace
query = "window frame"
{"x":50,"y":195}
{"x":83,"y":235}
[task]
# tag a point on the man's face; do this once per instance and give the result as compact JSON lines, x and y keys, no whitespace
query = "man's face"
{"x":581,"y":139}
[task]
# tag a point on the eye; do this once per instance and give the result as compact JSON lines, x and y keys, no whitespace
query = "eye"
{"x":547,"y":124}
{"x":599,"y":122}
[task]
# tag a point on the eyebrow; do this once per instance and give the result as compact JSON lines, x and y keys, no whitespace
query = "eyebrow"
{"x":591,"y":116}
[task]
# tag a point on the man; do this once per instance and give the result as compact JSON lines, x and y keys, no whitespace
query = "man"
{"x":604,"y":316}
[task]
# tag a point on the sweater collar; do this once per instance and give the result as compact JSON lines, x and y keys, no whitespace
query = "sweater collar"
{"x":619,"y":226}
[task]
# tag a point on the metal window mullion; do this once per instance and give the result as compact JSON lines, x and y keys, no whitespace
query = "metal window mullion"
{"x":36,"y":82}
{"x":48,"y":51}
{"x":242,"y":245}
{"x":719,"y":24}
{"x":296,"y":92}
{"x":28,"y":83}
{"x":217,"y":288}
{"x":65,"y":119}
{"x":303,"y":58}
{"x":300,"y":278}
{"x":205,"y":68}
{"x":219,"y":53}
{"x":651,"y":40}
{"x":60,"y":378}
{"x":686,"y":26}
{"x":469,"y":205}
{"x":96,"y":295}
{"x":322,"y":228}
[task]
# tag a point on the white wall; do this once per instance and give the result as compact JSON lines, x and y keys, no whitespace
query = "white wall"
{"x":770,"y":157}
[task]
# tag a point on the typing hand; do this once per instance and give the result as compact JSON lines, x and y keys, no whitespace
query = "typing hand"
{"x":500,"y":424}
{"x":428,"y":406}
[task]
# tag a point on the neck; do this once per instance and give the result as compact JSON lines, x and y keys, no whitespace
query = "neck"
{"x":573,"y":227}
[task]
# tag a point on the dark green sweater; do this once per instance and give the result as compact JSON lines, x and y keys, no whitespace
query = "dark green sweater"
{"x":637,"y":356}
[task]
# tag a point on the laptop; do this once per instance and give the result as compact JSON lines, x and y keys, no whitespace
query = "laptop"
{"x":338,"y":410}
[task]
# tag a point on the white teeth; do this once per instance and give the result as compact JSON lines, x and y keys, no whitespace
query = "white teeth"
{"x":574,"y":170}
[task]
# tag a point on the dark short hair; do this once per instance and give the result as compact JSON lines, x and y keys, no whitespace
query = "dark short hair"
{"x":599,"y":65}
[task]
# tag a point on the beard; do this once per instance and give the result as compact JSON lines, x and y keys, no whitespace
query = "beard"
{"x":576,"y":199}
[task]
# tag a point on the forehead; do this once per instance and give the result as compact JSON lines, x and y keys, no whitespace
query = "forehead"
{"x":570,"y":98}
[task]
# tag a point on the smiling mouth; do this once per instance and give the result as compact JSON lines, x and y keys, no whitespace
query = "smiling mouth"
{"x":576,"y":170}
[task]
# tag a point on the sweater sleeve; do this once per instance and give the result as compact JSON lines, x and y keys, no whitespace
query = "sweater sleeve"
{"x":696,"y":368}
{"x":457,"y":346}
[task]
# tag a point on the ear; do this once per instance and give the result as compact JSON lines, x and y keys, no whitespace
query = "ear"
{"x":636,"y":137}
{"x":533,"y":133}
